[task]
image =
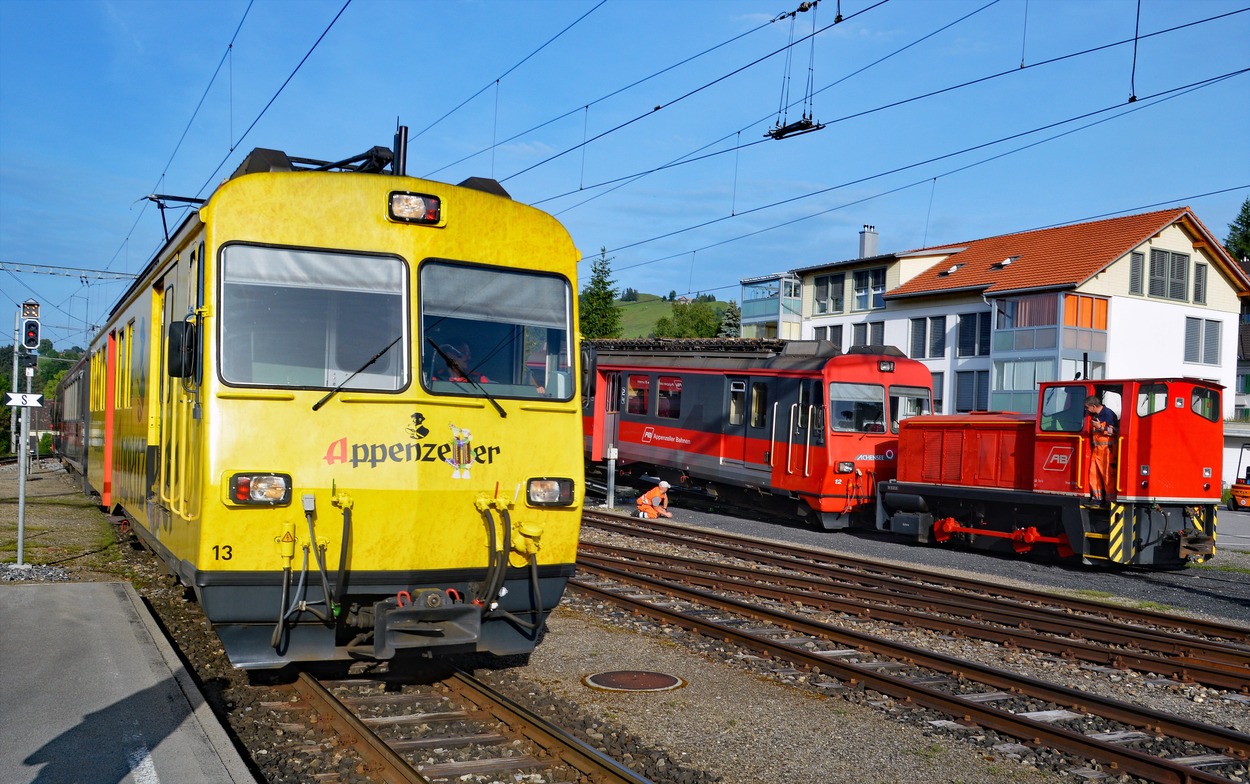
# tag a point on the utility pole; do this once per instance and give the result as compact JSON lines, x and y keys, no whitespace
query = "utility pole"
{"x":30,"y":343}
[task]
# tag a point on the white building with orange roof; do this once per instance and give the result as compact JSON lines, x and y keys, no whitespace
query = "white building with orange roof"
{"x":1153,"y":294}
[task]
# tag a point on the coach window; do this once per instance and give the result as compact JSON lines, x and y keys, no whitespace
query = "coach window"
{"x":312,"y":319}
{"x":907,"y":402}
{"x":857,"y":408}
{"x":668,"y":397}
{"x":637,"y":395}
{"x":759,"y":404}
{"x":514,"y":324}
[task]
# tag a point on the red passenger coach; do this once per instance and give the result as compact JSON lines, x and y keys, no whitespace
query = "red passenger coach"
{"x":749,"y":422}
{"x":1021,"y":482}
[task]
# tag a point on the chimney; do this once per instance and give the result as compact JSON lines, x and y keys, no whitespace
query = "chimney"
{"x":868,"y":242}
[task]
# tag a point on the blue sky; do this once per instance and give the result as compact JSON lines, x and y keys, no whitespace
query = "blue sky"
{"x":569,"y":102}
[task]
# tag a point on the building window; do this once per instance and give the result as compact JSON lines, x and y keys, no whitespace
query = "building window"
{"x":1200,"y":284}
{"x":938,"y":386}
{"x":871,"y":333}
{"x":829,"y":294}
{"x":1202,"y":341}
{"x":1169,"y":273}
{"x":972,"y":390}
{"x":820,"y":333}
{"x":869,"y":289}
{"x":928,"y":337}
{"x":974,"y":335}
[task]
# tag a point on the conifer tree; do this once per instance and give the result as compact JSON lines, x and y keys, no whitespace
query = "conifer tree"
{"x":730,"y":322}
{"x":600,"y":317}
{"x":1238,"y":241}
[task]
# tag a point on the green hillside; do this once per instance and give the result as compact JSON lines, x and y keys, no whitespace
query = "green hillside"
{"x":638,"y":319}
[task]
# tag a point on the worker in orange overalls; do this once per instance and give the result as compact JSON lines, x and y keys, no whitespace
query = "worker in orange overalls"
{"x":654,"y":502}
{"x":1103,"y":427}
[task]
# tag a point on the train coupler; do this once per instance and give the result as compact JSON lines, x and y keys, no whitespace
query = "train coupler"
{"x":1196,"y":545}
{"x":430,"y":619}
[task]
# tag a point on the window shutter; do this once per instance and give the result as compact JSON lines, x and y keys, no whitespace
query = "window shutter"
{"x":1136,"y":262}
{"x":965,"y":390}
{"x":1193,"y":339}
{"x":1158,"y":272}
{"x":1200,"y":284}
{"x":876,"y":331}
{"x":983,"y":334}
{"x":835,"y":336}
{"x":1178,"y":276}
{"x":822,"y":294}
{"x":918,"y":338}
{"x":1211,"y":343}
{"x":859,"y":334}
{"x":968,"y":335}
{"x":983,"y":390}
{"x":937,"y":336}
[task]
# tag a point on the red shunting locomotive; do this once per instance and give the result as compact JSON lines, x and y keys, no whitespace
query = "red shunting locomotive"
{"x":750,"y":422}
{"x":1021,"y":482}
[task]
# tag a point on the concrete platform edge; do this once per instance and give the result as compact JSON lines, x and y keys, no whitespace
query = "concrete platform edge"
{"x":235,"y":767}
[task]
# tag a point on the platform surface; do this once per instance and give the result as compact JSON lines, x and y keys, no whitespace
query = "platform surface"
{"x":92,"y":693}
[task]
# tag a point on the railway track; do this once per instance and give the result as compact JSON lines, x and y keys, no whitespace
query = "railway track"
{"x":748,"y":593}
{"x":453,"y":729}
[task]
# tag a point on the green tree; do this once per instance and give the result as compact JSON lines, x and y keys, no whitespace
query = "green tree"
{"x":1238,"y":240}
{"x":689,"y":320}
{"x":730,"y":322}
{"x":599,"y":315}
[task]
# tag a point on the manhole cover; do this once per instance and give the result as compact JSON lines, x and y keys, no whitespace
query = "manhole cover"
{"x":633,"y":680}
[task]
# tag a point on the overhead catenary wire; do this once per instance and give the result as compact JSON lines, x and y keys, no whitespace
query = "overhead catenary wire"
{"x":1154,"y":100}
{"x":1060,"y":58}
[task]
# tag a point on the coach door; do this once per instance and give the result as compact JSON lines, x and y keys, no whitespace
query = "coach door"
{"x":749,"y":418}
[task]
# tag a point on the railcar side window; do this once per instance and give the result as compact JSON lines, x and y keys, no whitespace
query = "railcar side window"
{"x":669,"y":397}
{"x":637,"y":395}
{"x":857,"y":408}
{"x":1205,"y":403}
{"x":1063,"y":409}
{"x":504,"y":331}
{"x":1151,"y":399}
{"x":737,"y":402}
{"x":759,"y":404}
{"x":907,"y":402}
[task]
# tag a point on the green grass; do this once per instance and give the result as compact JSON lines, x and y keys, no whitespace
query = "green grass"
{"x":638,"y":319}
{"x":1217,"y":567}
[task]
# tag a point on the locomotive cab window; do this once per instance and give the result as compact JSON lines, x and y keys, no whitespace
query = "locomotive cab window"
{"x":494,"y":331}
{"x":312,"y":319}
{"x":857,"y":408}
{"x":907,"y":402}
{"x":1206,"y":404}
{"x":1063,"y":409}
{"x":1151,"y":399}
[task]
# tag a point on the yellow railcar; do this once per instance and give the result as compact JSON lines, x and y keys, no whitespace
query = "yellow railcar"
{"x":343,"y":406}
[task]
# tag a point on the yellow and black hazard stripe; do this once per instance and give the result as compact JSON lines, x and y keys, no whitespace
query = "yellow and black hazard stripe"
{"x":1122,"y":544}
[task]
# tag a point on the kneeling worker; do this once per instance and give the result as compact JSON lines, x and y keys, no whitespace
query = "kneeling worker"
{"x":654,"y":503}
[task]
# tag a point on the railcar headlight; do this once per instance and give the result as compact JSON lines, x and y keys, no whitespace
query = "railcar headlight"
{"x":416,"y":208}
{"x":546,"y":491}
{"x":261,"y":489}
{"x":846,"y":467}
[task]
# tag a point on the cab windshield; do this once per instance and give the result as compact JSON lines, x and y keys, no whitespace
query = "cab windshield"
{"x":501,"y":333}
{"x":312,"y":319}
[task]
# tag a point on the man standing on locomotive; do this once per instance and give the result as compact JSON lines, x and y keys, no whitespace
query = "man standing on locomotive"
{"x":1103,"y":427}
{"x":654,"y":502}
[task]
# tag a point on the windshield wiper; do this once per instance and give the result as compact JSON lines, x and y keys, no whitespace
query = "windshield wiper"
{"x":455,"y":365}
{"x":355,"y":373}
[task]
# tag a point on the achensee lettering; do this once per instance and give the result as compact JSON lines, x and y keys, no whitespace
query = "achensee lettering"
{"x":373,"y":455}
